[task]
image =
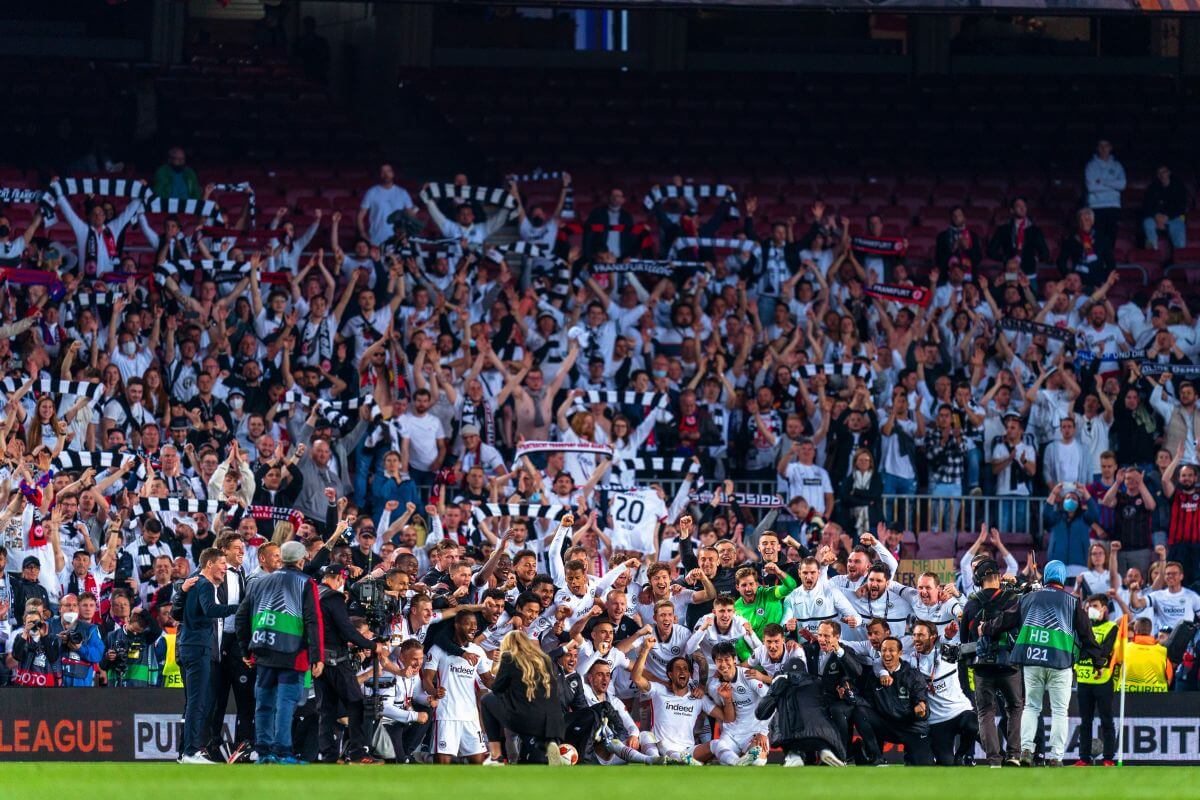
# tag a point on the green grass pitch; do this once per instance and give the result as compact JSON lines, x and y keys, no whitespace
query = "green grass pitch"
{"x":219,"y":782}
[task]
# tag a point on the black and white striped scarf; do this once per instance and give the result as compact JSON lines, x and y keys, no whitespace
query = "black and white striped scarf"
{"x":486,"y":510}
{"x":336,"y":412}
{"x":482,"y":194}
{"x":845,"y":370}
{"x":78,"y":460}
{"x":178,"y":505}
{"x":628,"y":398}
{"x":692,"y":192}
{"x":241,"y":188}
{"x":709,"y":242}
{"x":660,"y":464}
{"x":94,"y":391}
{"x":539,"y":175}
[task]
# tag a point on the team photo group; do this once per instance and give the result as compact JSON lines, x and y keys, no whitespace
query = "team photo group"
{"x":470,"y":477}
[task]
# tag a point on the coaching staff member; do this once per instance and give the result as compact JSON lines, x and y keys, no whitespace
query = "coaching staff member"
{"x":283,"y":645}
{"x":196,"y":651}
{"x":338,"y":683}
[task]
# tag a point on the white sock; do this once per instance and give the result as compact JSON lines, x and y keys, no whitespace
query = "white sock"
{"x":627,"y":753}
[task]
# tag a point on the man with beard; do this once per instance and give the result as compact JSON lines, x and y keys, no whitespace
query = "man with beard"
{"x":814,"y":601}
{"x":676,"y":710}
{"x":451,"y":679}
{"x":868,"y":551}
{"x":951,"y":715}
{"x":899,"y":705}
{"x":880,"y":597}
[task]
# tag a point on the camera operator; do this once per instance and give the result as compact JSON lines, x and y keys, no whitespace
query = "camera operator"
{"x":81,"y":646}
{"x":338,"y":683}
{"x":950,"y":713}
{"x":993,"y":674}
{"x":130,"y":656}
{"x":36,"y":653}
{"x":1054,"y":626}
{"x":900,"y":705}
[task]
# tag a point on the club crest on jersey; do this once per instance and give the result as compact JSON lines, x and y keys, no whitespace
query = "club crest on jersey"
{"x":820,"y":601}
{"x":760,"y":611}
{"x":740,"y":689}
{"x":675,"y":648}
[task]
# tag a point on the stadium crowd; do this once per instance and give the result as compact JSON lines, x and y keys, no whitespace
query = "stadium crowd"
{"x":519,"y":481}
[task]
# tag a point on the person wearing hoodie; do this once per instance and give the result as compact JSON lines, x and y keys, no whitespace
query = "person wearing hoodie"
{"x":1069,"y":513}
{"x":1105,"y":180}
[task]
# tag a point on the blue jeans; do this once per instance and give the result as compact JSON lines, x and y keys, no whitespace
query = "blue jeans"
{"x":196,"y":665}
{"x":1176,"y":232}
{"x":363,"y":457}
{"x":971,"y":478}
{"x":1014,"y":515}
{"x":941,"y":520}
{"x":904,"y":487}
{"x":276,"y":694}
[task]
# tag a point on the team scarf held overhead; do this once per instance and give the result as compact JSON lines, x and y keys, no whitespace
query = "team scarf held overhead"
{"x":265,"y":513}
{"x":1065,"y":335}
{"x":912,"y":295}
{"x":336,"y":412}
{"x":34,"y":277}
{"x":489,"y":510}
{"x":539,"y":175}
{"x":662,"y":267}
{"x":712,"y":243}
{"x":482,"y":194}
{"x":861,"y":371}
{"x":590,"y":448}
{"x":93,"y":391}
{"x":886,"y":246}
{"x":244,"y":188}
{"x":136,"y":190}
{"x":692,"y":193}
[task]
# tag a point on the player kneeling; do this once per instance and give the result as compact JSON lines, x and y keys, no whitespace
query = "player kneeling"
{"x":676,"y":708}
{"x":734,"y":690}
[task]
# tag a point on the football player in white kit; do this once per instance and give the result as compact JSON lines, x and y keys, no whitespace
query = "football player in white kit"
{"x":452,"y":679}
{"x":676,"y":709}
{"x":743,"y":739}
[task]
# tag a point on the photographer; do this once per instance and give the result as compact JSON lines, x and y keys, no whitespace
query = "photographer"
{"x":131,"y":655}
{"x":81,"y":646}
{"x":337,"y":685}
{"x":36,"y":653}
{"x":1054,"y":627}
{"x":993,"y":674}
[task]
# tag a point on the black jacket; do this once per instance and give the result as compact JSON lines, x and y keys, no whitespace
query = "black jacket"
{"x":871,"y":497}
{"x":339,"y":633}
{"x":988,"y":604}
{"x":595,"y":233}
{"x":968,"y":256}
{"x":897,"y":702}
{"x":840,"y":671}
{"x":1003,"y":246}
{"x":570,"y":690}
{"x":841,"y":447}
{"x":541,"y":717}
{"x":1171,"y":199}
{"x":795,"y":698}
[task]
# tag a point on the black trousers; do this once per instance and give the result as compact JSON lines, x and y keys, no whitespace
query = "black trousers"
{"x":846,"y":715}
{"x":305,"y":728}
{"x":1096,"y":698}
{"x":406,"y":738}
{"x":338,"y":684}
{"x":914,"y":737}
{"x":231,"y":673}
{"x":942,"y":735}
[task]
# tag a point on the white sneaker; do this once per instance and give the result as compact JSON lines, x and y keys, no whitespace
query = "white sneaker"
{"x":750,"y":757}
{"x":491,"y":762}
{"x":793,"y":760}
{"x":554,"y":755}
{"x":195,"y":758}
{"x":830,"y":760}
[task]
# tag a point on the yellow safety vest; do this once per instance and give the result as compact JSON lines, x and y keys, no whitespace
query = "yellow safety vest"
{"x":172,"y":677}
{"x":1084,"y":671}
{"x":1145,"y":667}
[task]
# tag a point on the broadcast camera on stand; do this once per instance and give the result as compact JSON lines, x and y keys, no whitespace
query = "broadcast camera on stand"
{"x":370,"y":600}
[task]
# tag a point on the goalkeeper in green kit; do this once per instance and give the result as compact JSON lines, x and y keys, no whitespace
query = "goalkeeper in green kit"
{"x":760,"y":605}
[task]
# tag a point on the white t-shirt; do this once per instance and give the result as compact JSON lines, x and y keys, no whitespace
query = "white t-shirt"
{"x":1093,"y":438}
{"x":422,"y":433}
{"x":635,"y":517}
{"x":1004,"y":479}
{"x":457,"y":677}
{"x":747,"y":692}
{"x":380,"y":202}
{"x":810,"y":482}
{"x":132,"y":366}
{"x":675,"y":717}
{"x":1170,"y":609}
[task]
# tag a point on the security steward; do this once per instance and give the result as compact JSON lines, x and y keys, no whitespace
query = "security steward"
{"x":338,"y":685}
{"x":1095,"y":686}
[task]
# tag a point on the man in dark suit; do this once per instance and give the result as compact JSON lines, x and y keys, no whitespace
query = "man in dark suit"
{"x":196,"y":651}
{"x":230,"y":671}
{"x":840,"y":673}
{"x":610,"y":227}
{"x":1020,"y":239}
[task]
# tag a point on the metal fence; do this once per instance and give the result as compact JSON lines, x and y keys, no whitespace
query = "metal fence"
{"x":961,"y":515}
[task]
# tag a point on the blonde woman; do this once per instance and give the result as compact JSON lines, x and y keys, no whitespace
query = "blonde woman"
{"x":524,"y":702}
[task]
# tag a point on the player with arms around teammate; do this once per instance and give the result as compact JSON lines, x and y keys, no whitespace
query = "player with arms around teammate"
{"x":743,"y":739}
{"x":451,"y":679}
{"x":676,"y":709}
